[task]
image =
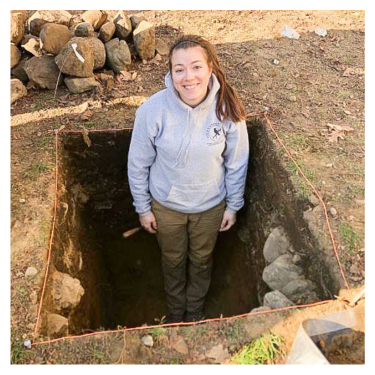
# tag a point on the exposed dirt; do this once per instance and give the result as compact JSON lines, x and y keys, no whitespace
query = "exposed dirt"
{"x":318,"y":81}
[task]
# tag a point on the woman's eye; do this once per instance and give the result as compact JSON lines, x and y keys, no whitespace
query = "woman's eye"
{"x":197,"y":67}
{"x":178,"y":71}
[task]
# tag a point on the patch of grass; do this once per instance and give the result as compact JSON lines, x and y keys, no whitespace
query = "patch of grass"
{"x":86,"y":124}
{"x":350,"y":237}
{"x":343,"y":93}
{"x":157,"y":332}
{"x":297,"y":142}
{"x":193,"y":331}
{"x":298,"y":181}
{"x":22,"y":291}
{"x":176,"y":362}
{"x":234,"y":331}
{"x":18,"y":353}
{"x":34,"y":170}
{"x":100,"y":357}
{"x":266,"y":349}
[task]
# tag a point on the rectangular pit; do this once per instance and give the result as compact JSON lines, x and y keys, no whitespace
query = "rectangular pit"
{"x":122,"y":278}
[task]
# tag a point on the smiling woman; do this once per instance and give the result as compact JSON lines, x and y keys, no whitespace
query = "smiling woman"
{"x":187,"y":169}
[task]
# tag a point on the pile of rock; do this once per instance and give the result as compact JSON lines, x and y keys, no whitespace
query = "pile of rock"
{"x":284,"y":274}
{"x":51,"y":47}
{"x":65,"y":296}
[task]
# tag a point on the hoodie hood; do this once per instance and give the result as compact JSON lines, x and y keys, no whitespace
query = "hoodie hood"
{"x":213,"y":87}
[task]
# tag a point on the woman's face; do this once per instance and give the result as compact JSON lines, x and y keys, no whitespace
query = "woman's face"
{"x":191,"y":74}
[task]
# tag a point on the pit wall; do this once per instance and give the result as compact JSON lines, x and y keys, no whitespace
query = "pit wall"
{"x":276,"y":205}
{"x":271,"y":203}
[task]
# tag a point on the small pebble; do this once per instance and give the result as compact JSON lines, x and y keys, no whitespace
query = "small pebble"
{"x":333,"y":211}
{"x":276,"y":61}
{"x":148,"y":341}
{"x":292,"y":98}
{"x":31,"y":272}
{"x":22,"y":200}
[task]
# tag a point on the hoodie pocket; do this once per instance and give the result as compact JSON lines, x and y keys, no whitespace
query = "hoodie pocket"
{"x":193,"y":195}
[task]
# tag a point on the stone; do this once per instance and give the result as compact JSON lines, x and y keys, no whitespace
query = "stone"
{"x":297,"y":259}
{"x":17,"y":28}
{"x":276,"y":244}
{"x":44,"y":72}
{"x":19,"y":70}
{"x":292,"y":98}
{"x":69,"y":63}
{"x":314,"y":200}
{"x":280,"y":272}
{"x":276,"y":300}
{"x":31,"y":272}
{"x":179,"y":344}
{"x":161,"y":47}
{"x":218,"y":353}
{"x":96,"y":18}
{"x":83,"y":29}
{"x":144,"y":40}
{"x":136,"y":19}
{"x":147,"y":341}
{"x":123,"y":24}
{"x":31,"y":44}
{"x":294,"y":289}
{"x":107,"y":31}
{"x":78,"y":85}
{"x":98,"y":49}
{"x":57,"y":325}
{"x":66,"y":292}
{"x":118,"y":55}
{"x":106,"y":78}
{"x":41,"y":17}
{"x":53,"y":37}
{"x":15,"y":55}
{"x":333,"y":211}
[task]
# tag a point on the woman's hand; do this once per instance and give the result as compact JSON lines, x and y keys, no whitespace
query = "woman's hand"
{"x":228,"y":221}
{"x":149,"y":223}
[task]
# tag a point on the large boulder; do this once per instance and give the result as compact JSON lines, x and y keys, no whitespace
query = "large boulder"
{"x":57,"y":325}
{"x":144,"y":40}
{"x":66,"y":292}
{"x":276,"y":244}
{"x":17,"y":27}
{"x":300,"y":291}
{"x":70,"y":63}
{"x":19,"y":70}
{"x":44,"y":72}
{"x":107,"y":31}
{"x":15,"y":55}
{"x":280,"y":272}
{"x":78,"y":85}
{"x":118,"y":55}
{"x":31,"y":44}
{"x":53,"y":37}
{"x":41,"y":17}
{"x":96,"y":18}
{"x":17,"y":90}
{"x":123,"y":24}
{"x":98,"y":49}
{"x":161,"y":47}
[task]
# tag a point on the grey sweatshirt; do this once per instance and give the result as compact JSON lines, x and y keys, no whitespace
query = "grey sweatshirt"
{"x":186,"y":158}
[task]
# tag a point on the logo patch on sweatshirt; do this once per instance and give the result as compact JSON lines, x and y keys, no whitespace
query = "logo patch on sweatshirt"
{"x":215,"y":133}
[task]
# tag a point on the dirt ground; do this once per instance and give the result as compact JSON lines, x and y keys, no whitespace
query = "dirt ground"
{"x":315,"y":81}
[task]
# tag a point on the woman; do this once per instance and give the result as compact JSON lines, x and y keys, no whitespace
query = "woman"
{"x":187,"y":169}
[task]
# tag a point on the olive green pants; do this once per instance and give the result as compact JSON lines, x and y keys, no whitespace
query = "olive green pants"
{"x":187,"y":242}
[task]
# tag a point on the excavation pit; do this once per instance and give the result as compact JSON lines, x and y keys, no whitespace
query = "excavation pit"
{"x":122,"y":278}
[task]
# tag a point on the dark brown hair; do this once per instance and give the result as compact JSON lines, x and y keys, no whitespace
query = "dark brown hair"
{"x":228,"y":104}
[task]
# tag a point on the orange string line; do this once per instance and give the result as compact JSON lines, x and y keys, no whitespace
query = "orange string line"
{"x":265,"y":114}
{"x":179,"y":324}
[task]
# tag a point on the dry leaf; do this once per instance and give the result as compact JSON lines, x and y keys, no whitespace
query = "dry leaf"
{"x":126,"y":75}
{"x":134,"y":76}
{"x":335,"y":135}
{"x":86,"y":138}
{"x":86,"y":115}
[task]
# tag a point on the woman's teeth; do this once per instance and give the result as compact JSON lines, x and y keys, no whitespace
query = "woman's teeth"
{"x":190,"y":87}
